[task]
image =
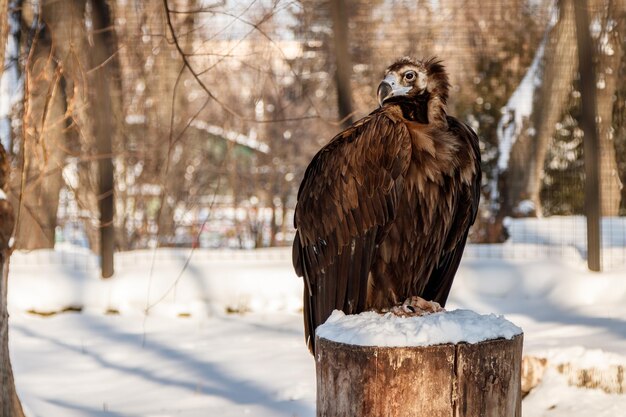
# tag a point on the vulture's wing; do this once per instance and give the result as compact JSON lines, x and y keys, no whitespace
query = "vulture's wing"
{"x":346,"y":201}
{"x":441,"y":278}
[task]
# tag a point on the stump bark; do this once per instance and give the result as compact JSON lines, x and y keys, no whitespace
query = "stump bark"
{"x":462,"y":380}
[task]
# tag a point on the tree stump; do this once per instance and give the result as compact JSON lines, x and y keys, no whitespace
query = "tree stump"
{"x":481,"y":379}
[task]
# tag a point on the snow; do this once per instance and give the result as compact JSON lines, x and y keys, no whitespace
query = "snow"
{"x":554,"y":398}
{"x":249,"y":141}
{"x":525,"y":207}
{"x":157,"y":281}
{"x":373,"y":329}
{"x":94,"y":365}
{"x":556,"y":303}
{"x":188,"y":357}
{"x":560,"y":237}
{"x":584,"y":358}
{"x":518,"y":108}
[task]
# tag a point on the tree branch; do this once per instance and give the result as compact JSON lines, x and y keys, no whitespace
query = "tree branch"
{"x":196,"y":75}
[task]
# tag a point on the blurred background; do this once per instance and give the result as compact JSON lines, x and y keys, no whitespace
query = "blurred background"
{"x":133,"y":124}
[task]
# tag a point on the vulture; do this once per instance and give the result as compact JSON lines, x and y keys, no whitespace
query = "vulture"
{"x":384,"y":209}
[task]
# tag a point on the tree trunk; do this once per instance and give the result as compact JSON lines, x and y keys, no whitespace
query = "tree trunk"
{"x":273,"y":223}
{"x":609,"y":55}
{"x":343,"y":62}
{"x":9,"y":402}
{"x":523,"y":179}
{"x":529,"y":151}
{"x":92,"y":78}
{"x":64,"y":23}
{"x":38,"y":179}
{"x":588,"y":123}
{"x":101,"y":101}
{"x":285,"y":224}
{"x":10,"y":405}
{"x":463,"y":380}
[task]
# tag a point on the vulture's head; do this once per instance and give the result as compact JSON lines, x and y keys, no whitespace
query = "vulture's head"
{"x":411,"y":78}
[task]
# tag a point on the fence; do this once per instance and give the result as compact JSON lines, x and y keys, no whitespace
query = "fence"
{"x":180,"y":159}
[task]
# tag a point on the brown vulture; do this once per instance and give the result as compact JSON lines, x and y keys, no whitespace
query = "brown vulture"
{"x":384,"y":208}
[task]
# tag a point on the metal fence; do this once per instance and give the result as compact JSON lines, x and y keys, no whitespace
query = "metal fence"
{"x":224,"y":178}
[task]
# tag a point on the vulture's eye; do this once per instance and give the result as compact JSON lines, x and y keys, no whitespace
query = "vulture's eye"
{"x":409,"y":76}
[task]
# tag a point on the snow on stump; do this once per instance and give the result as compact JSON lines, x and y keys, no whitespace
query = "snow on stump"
{"x":455,"y":363}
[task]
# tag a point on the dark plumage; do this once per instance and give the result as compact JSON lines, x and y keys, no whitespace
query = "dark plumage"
{"x":384,"y":208}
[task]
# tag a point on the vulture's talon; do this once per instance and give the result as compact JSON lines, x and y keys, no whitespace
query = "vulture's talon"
{"x":416,"y":306}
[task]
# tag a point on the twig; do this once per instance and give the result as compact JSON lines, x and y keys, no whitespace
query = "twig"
{"x":189,"y":66}
{"x":106,"y":61}
{"x":196,"y":75}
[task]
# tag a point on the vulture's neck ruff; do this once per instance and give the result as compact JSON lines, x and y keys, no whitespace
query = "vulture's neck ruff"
{"x":420,"y":88}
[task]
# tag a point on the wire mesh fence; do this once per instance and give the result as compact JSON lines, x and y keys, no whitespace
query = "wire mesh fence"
{"x":217,"y":109}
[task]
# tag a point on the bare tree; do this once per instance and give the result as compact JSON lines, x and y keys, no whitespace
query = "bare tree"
{"x":70,"y":109}
{"x":87,"y":57}
{"x":523,"y":180}
{"x":10,"y":405}
{"x":105,"y":101}
{"x":528,"y":154}
{"x":177,"y":62}
{"x":42,"y":140}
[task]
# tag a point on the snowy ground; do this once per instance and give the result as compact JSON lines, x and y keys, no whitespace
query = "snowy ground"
{"x":188,"y":357}
{"x":88,"y":364}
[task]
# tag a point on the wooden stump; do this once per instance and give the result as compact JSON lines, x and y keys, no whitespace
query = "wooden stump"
{"x":462,"y":380}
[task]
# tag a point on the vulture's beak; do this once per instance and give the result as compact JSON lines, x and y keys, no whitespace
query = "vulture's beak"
{"x":390,"y":87}
{"x":384,"y":91}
